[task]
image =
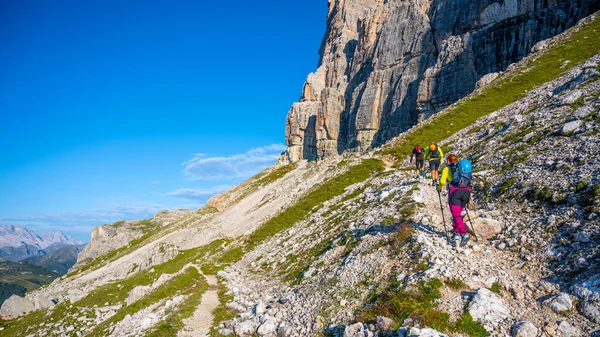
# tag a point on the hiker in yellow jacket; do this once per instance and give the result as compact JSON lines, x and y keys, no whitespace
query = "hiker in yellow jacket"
{"x":435,"y":155}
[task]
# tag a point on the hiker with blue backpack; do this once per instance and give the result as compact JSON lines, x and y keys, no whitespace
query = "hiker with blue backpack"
{"x":458,"y":175}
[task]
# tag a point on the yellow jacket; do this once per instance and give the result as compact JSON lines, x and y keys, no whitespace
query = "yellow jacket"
{"x":446,"y":177}
{"x":439,"y":150}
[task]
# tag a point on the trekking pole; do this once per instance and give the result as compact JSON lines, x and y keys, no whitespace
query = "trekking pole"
{"x":443,"y":217}
{"x":472,"y":227}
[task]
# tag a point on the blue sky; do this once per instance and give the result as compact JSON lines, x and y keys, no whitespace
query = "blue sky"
{"x":114,"y":110}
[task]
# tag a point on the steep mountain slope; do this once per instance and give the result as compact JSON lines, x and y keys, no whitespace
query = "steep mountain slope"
{"x":385,"y":65}
{"x":330,"y":247}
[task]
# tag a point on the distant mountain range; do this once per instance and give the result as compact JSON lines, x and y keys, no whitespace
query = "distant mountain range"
{"x":59,"y":260}
{"x":18,"y":243}
{"x":29,"y":261}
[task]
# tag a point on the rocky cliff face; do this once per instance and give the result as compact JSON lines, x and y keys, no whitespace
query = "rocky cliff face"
{"x":385,"y":65}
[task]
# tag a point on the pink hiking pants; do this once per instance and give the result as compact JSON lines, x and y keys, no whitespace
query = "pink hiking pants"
{"x":457,"y":200}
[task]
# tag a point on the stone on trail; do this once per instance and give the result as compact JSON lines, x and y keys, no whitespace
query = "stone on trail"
{"x":523,"y":329}
{"x":566,"y":329}
{"x":560,"y":303}
{"x":488,"y":309}
{"x":487,"y":228}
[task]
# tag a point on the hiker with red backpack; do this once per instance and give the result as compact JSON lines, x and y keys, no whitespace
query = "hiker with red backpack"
{"x":419,"y":155}
{"x":435,"y":155}
{"x":458,"y":175}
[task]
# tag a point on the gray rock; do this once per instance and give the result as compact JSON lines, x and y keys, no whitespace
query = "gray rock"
{"x":486,"y":80}
{"x":425,"y":332}
{"x":570,"y":127}
{"x":268,"y":327}
{"x":591,"y":311}
{"x":137,"y":293}
{"x":566,"y":329}
{"x":540,"y":46}
{"x":16,"y":306}
{"x":246,"y":328}
{"x":524,"y":329}
{"x":355,"y":330}
{"x":226,"y":332}
{"x":383,"y":323}
{"x":584,"y":111}
{"x":560,"y":303}
{"x":259,"y":308}
{"x":488,"y":309}
{"x":571,"y":97}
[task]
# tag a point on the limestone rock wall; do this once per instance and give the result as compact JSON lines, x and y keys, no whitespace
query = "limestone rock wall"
{"x":385,"y":65}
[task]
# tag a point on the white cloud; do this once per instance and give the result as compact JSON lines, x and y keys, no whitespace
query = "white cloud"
{"x":156,"y":182}
{"x":194,"y":194}
{"x":244,"y":165}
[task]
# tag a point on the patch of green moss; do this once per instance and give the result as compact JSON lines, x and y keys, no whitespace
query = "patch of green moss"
{"x":455,"y":283}
{"x":419,"y":303}
{"x":496,"y":287}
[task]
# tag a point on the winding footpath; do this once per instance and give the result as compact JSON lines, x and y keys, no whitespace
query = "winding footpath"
{"x":200,"y":323}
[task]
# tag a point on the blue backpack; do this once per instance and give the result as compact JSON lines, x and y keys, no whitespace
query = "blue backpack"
{"x":461,"y":174}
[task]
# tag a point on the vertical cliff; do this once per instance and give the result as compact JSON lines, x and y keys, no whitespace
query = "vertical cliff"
{"x":385,"y":65}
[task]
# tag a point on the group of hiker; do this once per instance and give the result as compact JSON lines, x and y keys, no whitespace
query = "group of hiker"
{"x":456,"y":175}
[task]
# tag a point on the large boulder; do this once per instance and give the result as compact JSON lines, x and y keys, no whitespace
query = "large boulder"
{"x":488,"y":309}
{"x":487,"y":228}
{"x":268,"y":327}
{"x":137,"y":293}
{"x":560,"y":303}
{"x":566,"y":329}
{"x":41,"y":301}
{"x":523,"y":329}
{"x":246,"y":328}
{"x":570,"y":127}
{"x":355,"y":330}
{"x":591,"y":311}
{"x":384,"y":324}
{"x":16,"y":306}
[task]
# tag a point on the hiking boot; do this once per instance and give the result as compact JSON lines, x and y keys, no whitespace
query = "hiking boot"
{"x":455,"y":239}
{"x":464,"y":239}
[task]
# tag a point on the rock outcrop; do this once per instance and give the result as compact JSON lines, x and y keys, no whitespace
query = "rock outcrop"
{"x":386,"y":65}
